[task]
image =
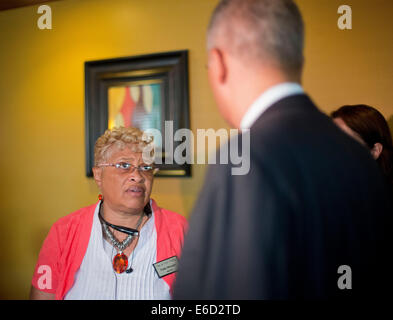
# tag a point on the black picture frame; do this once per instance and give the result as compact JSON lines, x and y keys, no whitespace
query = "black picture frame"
{"x":169,"y":69}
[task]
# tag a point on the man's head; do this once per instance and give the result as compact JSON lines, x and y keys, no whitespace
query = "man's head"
{"x":252,"y":45}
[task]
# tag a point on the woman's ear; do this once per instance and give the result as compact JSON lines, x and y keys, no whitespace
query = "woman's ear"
{"x":97,"y":173}
{"x":376,"y":150}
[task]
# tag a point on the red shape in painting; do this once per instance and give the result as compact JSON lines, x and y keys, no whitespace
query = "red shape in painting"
{"x":127,"y":109}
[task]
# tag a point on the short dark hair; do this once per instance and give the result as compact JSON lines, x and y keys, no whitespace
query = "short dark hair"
{"x":271,"y":29}
{"x":372,"y":127}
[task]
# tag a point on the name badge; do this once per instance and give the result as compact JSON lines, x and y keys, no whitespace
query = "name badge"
{"x":167,"y":266}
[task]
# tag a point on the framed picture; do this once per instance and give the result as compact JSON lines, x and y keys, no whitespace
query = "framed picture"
{"x":147,"y":92}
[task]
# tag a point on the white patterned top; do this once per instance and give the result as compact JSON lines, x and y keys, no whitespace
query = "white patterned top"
{"x":96,"y":279}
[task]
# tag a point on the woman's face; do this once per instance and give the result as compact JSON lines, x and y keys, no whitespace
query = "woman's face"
{"x":124,"y":190}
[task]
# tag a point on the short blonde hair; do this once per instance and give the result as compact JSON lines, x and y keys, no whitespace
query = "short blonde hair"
{"x":120,"y":137}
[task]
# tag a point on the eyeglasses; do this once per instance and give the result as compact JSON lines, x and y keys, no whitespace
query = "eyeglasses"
{"x":127,"y":167}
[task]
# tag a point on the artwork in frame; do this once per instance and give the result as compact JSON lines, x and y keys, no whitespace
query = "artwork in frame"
{"x":142,"y":91}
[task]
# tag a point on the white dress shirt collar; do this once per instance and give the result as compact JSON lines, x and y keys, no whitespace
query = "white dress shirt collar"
{"x":267,"y":99}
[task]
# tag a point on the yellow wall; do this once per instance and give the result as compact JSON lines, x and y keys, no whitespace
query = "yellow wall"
{"x":349,"y":66}
{"x":42,"y":174}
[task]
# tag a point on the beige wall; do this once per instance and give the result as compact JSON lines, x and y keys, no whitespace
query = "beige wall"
{"x":42,"y":98}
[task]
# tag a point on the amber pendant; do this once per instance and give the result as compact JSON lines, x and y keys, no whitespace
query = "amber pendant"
{"x":120,"y":262}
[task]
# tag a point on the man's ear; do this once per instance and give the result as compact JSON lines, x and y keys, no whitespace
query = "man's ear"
{"x":97,"y":173}
{"x":376,"y":150}
{"x":217,"y":65}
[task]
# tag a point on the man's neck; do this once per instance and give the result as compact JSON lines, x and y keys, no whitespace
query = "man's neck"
{"x":250,"y":94}
{"x":266,"y":98}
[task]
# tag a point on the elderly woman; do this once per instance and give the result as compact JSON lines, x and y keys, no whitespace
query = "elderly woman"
{"x":124,"y":246}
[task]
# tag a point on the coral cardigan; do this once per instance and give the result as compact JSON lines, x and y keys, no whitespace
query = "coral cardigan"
{"x":65,"y":246}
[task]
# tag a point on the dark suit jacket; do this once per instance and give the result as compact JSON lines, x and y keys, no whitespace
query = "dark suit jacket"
{"x":314,"y":200}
